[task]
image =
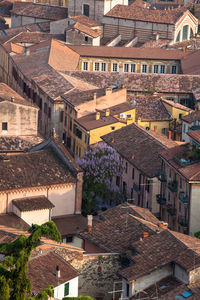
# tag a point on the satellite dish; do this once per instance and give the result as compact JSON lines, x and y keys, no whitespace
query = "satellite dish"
{"x":133,"y":103}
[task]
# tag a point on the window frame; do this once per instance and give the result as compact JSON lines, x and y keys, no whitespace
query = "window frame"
{"x":6,"y":125}
{"x":116,"y":64}
{"x":85,"y":63}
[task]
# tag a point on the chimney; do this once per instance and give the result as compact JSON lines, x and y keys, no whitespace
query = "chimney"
{"x":107,"y":112}
{"x":54,"y":133}
{"x":108,"y":91}
{"x":89,"y":219}
{"x":163,"y":225}
{"x":113,"y":140}
{"x":170,"y":135}
{"x":12,"y":99}
{"x":157,"y":37}
{"x":98,"y":115}
{"x":155,"y":128}
{"x":57,"y":272}
{"x":145,"y":234}
{"x":132,"y":156}
{"x":95,"y":96}
{"x":27,"y":51}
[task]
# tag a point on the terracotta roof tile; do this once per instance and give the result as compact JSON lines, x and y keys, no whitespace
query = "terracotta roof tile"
{"x":195,"y":135}
{"x":134,"y":12}
{"x":86,"y":29}
{"x":42,"y":271}
{"x":19,"y":171}
{"x":132,"y":142}
{"x":86,"y":21}
{"x":158,"y":250}
{"x":32,"y":203}
{"x":41,"y":11}
{"x":18,"y":143}
{"x":194,"y":116}
{"x":127,"y":52}
{"x":190,"y":63}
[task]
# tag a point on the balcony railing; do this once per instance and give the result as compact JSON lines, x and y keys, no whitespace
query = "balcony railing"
{"x":171,"y":210}
{"x":172,"y":186}
{"x":183,"y":197}
{"x":182,"y":221}
{"x":160,"y":199}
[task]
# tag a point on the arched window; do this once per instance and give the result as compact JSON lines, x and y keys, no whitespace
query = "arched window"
{"x":185,"y":32}
{"x":178,"y":36}
{"x":86,"y":10}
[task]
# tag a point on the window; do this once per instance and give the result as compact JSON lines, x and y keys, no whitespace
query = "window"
{"x":181,"y":183}
{"x":127,"y":290}
{"x":117,"y":180}
{"x":132,"y":193}
{"x":126,"y":67}
{"x":86,"y":10}
{"x":66,"y":289}
{"x":179,"y":207}
{"x":124,"y":187}
{"x":174,"y":202}
{"x":162,"y":69}
{"x":126,"y":168}
{"x":174,"y":71}
{"x":147,"y":186}
{"x":103,"y":67}
{"x":133,"y":68}
{"x":168,"y":199}
{"x":61,"y":115}
{"x":185,"y":32}
{"x":5,"y":126}
{"x":133,"y":173}
{"x":155,"y":68}
{"x":144,"y":68}
{"x":138,"y":200}
{"x":78,"y":133}
{"x":114,"y":67}
{"x":70,"y":124}
{"x":86,"y":38}
{"x":184,"y":128}
{"x":45,"y":108}
{"x":170,"y":173}
{"x":40,"y":103}
{"x":178,"y":37}
{"x":69,"y":238}
{"x":65,"y":121}
{"x":49,"y":113}
{"x":112,"y":127}
{"x":96,"y":66}
{"x":85,"y":66}
{"x":180,"y":116}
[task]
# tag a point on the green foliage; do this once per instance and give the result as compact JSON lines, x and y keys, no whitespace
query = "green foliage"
{"x":14,"y":283}
{"x":192,"y":10}
{"x":197,"y":234}
{"x":78,"y":298}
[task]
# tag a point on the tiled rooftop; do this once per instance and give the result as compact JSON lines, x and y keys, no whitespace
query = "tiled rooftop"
{"x":86,"y":21}
{"x":190,"y":64}
{"x":18,"y":171}
{"x":150,"y":108}
{"x":32,"y":203}
{"x":42,"y":271}
{"x":194,"y":116}
{"x":134,"y":12}
{"x":6,"y":93}
{"x":195,"y":135}
{"x":127,"y":52}
{"x":159,"y":250}
{"x":185,"y":160}
{"x":176,"y":105}
{"x":132,"y":142}
{"x":40,"y":11}
{"x":85,"y":29}
{"x":13,"y":221}
{"x":119,"y":229}
{"x":18,"y":143}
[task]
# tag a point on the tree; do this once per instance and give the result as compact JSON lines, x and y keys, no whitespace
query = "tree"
{"x":197,"y":234}
{"x":14,"y":283}
{"x":99,"y":164}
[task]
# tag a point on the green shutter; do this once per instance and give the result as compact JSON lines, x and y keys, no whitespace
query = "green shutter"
{"x":66,"y":292}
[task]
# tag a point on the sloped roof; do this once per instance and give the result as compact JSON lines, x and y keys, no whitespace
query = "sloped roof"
{"x":85,"y":21}
{"x":32,"y":203}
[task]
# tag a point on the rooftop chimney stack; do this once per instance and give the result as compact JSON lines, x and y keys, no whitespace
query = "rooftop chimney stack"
{"x":97,"y":115}
{"x":57,"y":272}
{"x":107,"y":112}
{"x":54,"y":133}
{"x":170,"y":135}
{"x":145,"y":234}
{"x":89,"y":219}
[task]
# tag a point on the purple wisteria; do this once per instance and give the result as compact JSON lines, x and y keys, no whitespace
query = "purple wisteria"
{"x":100,"y":164}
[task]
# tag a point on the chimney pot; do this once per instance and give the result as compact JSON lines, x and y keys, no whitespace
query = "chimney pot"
{"x":98,"y":115}
{"x":163,"y":225}
{"x":57,"y":272}
{"x":107,"y":112}
{"x":108,"y":91}
{"x":89,"y":219}
{"x":133,"y":156}
{"x":54,"y":133}
{"x":145,"y":234}
{"x":155,"y":128}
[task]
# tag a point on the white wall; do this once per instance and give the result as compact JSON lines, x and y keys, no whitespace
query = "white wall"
{"x":33,"y":217}
{"x":194,"y":220}
{"x":73,"y":289}
{"x":96,"y":41}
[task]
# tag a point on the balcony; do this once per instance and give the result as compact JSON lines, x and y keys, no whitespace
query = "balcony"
{"x":171,"y":210}
{"x":160,"y":199}
{"x":136,"y":188}
{"x":183,"y":222}
{"x":172,"y":186}
{"x":184,"y":198}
